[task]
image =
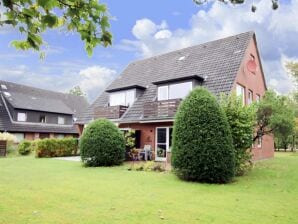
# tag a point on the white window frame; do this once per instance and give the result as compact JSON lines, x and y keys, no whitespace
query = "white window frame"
{"x":18,"y":116}
{"x":167,"y":144}
{"x":45,"y":119}
{"x":258,"y":97}
{"x":250,"y":96}
{"x":168,"y":87}
{"x":242,"y":92}
{"x":60,"y":117}
{"x":125,"y":97}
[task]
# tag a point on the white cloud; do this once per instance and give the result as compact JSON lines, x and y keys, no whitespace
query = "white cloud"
{"x":92,"y":79}
{"x":163,"y":34}
{"x":276,"y":30}
{"x":95,"y":78}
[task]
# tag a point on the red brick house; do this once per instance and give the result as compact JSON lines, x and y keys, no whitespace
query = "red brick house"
{"x":146,"y":95}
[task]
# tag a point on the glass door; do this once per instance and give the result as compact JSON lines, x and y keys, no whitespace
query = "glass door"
{"x":163,"y":143}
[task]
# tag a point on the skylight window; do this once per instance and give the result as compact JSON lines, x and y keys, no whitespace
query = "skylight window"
{"x":237,"y":52}
{"x":3,"y":86}
{"x":181,"y":58}
{"x":7,"y":94}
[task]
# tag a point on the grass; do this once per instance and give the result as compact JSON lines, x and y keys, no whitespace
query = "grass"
{"x":52,"y":191}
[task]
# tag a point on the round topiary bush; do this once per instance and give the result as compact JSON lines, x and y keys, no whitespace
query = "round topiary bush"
{"x":202,"y":142}
{"x":24,"y":148}
{"x":102,"y":144}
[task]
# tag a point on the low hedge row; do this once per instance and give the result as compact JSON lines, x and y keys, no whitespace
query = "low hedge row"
{"x":51,"y":147}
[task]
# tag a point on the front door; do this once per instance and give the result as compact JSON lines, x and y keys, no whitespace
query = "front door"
{"x":163,"y":143}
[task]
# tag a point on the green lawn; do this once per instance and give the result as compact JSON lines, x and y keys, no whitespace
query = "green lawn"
{"x":52,"y":191}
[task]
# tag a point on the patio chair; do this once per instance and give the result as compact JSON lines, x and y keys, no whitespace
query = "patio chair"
{"x":146,"y":153}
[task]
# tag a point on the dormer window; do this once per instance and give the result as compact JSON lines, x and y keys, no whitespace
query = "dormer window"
{"x":22,"y":117}
{"x":61,"y":120}
{"x":123,"y":98}
{"x":42,"y":119}
{"x":174,"y":91}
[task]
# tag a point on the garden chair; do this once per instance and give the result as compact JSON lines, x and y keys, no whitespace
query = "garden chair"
{"x":146,"y":152}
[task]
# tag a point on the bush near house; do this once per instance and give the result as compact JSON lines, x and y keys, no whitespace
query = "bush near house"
{"x":24,"y":148}
{"x":102,"y":144}
{"x":202,"y":141}
{"x":52,"y":147}
{"x":242,"y":123}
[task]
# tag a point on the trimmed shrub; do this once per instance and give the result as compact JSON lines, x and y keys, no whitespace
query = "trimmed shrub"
{"x":202,"y":142}
{"x":24,"y":148}
{"x":102,"y":144}
{"x":53,"y":147}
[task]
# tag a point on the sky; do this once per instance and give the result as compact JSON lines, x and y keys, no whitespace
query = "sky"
{"x":144,"y":28}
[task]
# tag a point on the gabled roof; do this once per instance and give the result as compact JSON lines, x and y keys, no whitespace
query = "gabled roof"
{"x":217,"y":62}
{"x":30,"y":98}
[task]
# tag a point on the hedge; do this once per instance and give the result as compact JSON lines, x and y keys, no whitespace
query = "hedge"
{"x":53,"y":147}
{"x":202,"y":142}
{"x":24,"y":148}
{"x":102,"y":144}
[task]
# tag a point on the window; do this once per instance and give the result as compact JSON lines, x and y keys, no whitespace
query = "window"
{"x":162,"y":93}
{"x":240,"y":91}
{"x":250,"y":96}
{"x":258,"y":97}
{"x":22,"y":117}
{"x":174,"y":91}
{"x":124,"y":98}
{"x":163,"y":142}
{"x":60,"y":136}
{"x":42,"y":119}
{"x":19,"y":136}
{"x":61,"y":120}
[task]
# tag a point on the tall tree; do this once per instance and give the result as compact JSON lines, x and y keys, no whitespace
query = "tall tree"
{"x":77,"y":91}
{"x":275,"y":115}
{"x":88,"y":18}
{"x":237,"y":2}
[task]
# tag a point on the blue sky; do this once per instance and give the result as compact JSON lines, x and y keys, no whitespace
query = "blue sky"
{"x":143,"y":28}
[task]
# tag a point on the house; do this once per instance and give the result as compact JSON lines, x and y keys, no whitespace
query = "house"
{"x":146,"y":95}
{"x":32,"y":113}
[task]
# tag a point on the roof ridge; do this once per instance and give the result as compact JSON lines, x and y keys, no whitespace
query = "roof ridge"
{"x":46,"y":90}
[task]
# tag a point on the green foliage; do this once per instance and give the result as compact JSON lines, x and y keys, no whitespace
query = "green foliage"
{"x":53,"y":147}
{"x":10,"y":138}
{"x":77,"y":91}
{"x":24,"y":148}
{"x":88,"y":18}
{"x":242,"y":122}
{"x":148,"y":166}
{"x":130,"y":139}
{"x":202,"y":141}
{"x":275,"y":114}
{"x":237,"y":2}
{"x":102,"y":144}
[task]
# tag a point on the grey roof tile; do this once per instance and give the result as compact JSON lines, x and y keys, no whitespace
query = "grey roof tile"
{"x":217,"y":61}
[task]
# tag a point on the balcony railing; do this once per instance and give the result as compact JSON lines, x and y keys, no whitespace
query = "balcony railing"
{"x":111,"y":112}
{"x":161,"y":109}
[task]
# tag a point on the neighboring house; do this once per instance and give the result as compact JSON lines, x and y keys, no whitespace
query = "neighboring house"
{"x":146,"y":95}
{"x":32,"y":113}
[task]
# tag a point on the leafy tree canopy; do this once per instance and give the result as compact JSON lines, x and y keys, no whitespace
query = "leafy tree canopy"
{"x":275,"y":114}
{"x":236,"y":2}
{"x":88,"y":18}
{"x":77,"y":91}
